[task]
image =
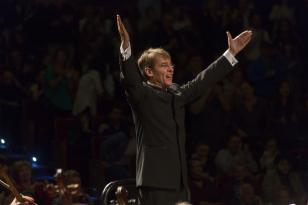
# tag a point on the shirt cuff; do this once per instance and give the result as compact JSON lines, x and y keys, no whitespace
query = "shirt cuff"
{"x":125,"y":53}
{"x":230,"y":57}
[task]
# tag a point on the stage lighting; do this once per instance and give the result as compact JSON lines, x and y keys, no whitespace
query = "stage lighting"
{"x":34,"y":159}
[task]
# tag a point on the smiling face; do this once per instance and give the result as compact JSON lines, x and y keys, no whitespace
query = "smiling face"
{"x":156,"y":66}
{"x":162,"y":72}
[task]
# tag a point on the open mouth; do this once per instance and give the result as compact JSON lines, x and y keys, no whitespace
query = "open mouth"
{"x":169,"y":77}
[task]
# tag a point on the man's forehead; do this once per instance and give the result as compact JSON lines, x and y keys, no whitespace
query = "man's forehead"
{"x":162,"y":59}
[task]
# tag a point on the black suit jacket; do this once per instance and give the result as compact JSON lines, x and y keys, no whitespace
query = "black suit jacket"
{"x":159,"y":122}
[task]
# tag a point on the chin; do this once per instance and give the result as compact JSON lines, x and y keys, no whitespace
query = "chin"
{"x":168,"y":83}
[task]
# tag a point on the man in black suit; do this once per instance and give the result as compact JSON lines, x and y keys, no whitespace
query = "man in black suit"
{"x":158,"y":110}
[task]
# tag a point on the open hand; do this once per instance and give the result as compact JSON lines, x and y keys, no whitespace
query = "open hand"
{"x":239,"y":42}
{"x":123,"y":32}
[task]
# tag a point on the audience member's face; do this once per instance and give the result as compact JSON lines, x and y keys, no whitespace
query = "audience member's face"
{"x":162,"y":73}
{"x":283,"y":197}
{"x":8,"y":78}
{"x":203,"y":150}
{"x":74,"y":180}
{"x":284,"y":166}
{"x":234,"y":144}
{"x":116,"y":115}
{"x":247,"y":89}
{"x":284,"y":89}
{"x":239,"y":172}
{"x":196,"y":169}
{"x":61,"y":57}
{"x":271,"y":145}
{"x":25,"y":174}
{"x":247,"y":193}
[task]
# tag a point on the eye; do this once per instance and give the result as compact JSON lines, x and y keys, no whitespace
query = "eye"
{"x":167,"y":65}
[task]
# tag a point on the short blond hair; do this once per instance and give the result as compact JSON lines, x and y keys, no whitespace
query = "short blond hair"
{"x":148,"y":57}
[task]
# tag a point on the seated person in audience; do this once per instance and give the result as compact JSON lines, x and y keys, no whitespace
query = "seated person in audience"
{"x":234,"y":153}
{"x":229,"y":185}
{"x":5,"y":196}
{"x":114,"y":138}
{"x":113,"y":135}
{"x":270,"y":153}
{"x":201,"y":153}
{"x":128,"y":158}
{"x":283,"y":177}
{"x":202,"y":188}
{"x":282,"y":197}
{"x":87,"y":97}
{"x":70,"y":190}
{"x":248,"y":195}
{"x":72,"y":178}
{"x":22,"y":175}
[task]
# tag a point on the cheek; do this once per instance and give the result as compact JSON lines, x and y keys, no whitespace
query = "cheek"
{"x":162,"y":77}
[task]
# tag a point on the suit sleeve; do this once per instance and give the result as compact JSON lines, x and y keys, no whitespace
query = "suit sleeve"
{"x":131,"y":78}
{"x":206,"y":78}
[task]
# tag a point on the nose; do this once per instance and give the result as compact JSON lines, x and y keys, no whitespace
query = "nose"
{"x":171,"y":68}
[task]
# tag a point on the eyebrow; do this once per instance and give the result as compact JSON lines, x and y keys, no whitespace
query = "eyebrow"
{"x":167,"y":64}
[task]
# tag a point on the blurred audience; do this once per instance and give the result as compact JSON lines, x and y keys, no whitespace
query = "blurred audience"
{"x":59,"y":63}
{"x":283,"y":177}
{"x":234,"y":152}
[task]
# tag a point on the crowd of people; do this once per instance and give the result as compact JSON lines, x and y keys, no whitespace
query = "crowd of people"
{"x":64,"y":188}
{"x":59,"y":71}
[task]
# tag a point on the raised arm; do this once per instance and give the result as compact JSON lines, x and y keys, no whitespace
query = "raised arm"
{"x":218,"y":69}
{"x":130,"y":74}
{"x":123,"y":33}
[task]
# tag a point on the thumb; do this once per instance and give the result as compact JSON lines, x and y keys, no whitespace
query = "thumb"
{"x":229,"y":36}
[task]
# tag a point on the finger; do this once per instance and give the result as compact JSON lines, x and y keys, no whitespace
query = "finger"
{"x":246,"y":34}
{"x":123,"y":27}
{"x":245,"y":41}
{"x":246,"y":38}
{"x":243,"y":37}
{"x":229,"y":35}
{"x":118,"y":22}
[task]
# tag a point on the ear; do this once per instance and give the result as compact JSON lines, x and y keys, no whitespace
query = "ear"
{"x":148,"y":72}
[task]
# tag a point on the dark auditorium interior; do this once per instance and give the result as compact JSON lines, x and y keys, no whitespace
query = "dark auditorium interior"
{"x":245,"y":138}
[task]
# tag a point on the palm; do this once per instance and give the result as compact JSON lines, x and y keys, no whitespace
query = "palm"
{"x":239,"y":42}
